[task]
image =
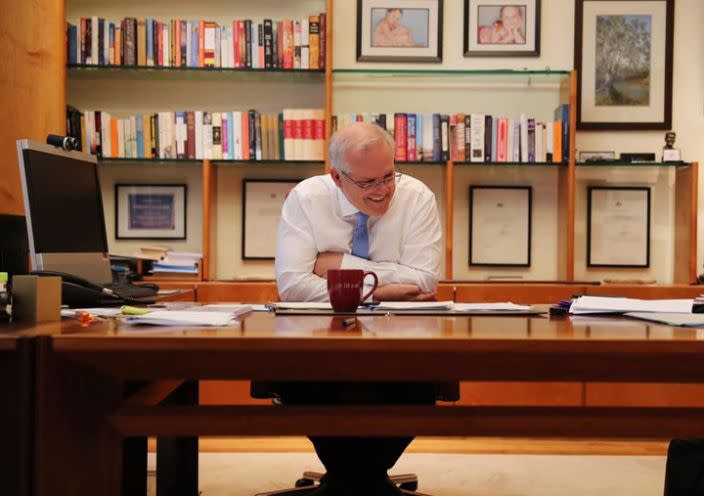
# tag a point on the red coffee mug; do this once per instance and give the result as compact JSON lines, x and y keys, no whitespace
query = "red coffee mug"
{"x":345,"y":288}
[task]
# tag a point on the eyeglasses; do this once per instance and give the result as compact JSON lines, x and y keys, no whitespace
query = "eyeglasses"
{"x":372,"y":183}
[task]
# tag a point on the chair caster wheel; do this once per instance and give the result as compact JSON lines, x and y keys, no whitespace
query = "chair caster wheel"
{"x":304,"y":483}
{"x":409,"y":486}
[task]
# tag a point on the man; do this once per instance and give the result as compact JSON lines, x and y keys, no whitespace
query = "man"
{"x":321,"y":214}
{"x":363,"y":215}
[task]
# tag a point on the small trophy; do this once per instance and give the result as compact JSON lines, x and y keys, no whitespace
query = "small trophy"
{"x":670,"y":154}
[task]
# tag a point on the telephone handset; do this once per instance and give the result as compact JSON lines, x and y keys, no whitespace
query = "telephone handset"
{"x":77,"y":292}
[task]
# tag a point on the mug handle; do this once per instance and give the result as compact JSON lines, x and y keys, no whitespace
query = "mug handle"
{"x":371,"y":291}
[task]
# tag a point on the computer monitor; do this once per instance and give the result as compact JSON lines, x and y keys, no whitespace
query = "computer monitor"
{"x":64,"y":211}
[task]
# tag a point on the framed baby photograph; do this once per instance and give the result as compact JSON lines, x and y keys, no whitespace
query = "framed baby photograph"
{"x":399,"y":30}
{"x":501,"y":28}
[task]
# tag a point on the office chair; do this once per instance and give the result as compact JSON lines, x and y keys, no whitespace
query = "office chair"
{"x":407,"y":483}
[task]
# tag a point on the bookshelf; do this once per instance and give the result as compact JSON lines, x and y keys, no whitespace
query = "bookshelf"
{"x":559,"y":189}
{"x":214,"y":185}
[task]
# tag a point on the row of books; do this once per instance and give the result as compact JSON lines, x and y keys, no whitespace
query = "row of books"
{"x":293,"y":134}
{"x":471,"y":137}
{"x":285,"y":44}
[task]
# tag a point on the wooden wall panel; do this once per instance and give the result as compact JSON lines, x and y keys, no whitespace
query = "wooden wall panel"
{"x":246,"y":292}
{"x":32,"y":84}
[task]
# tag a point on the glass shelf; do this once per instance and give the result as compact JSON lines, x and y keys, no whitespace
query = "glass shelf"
{"x":619,"y":163}
{"x":153,"y":72}
{"x":448,"y":78}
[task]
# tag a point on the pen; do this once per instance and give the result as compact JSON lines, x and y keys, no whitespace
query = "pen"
{"x":349,"y":322}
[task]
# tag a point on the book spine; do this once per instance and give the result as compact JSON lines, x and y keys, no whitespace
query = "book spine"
{"x":531,"y":140}
{"x":411,"y":153}
{"x":190,"y":135}
{"x":445,"y":137}
{"x":314,"y":42}
{"x":400,"y":136}
{"x":268,"y":44}
{"x":323,"y":41}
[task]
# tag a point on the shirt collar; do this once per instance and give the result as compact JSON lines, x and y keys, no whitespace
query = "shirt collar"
{"x":346,"y":208}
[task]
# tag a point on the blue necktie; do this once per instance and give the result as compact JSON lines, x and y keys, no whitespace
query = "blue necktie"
{"x":360,"y":239}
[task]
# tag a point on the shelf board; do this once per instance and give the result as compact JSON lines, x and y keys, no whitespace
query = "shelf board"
{"x":420,"y":162}
{"x":620,"y":163}
{"x":297,"y":163}
{"x":512,"y":164}
{"x":108,"y":161}
{"x":82,"y":71}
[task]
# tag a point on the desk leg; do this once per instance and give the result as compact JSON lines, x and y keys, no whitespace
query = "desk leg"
{"x":177,"y":457}
{"x":77,"y":451}
{"x":16,"y":410}
{"x":134,"y":458}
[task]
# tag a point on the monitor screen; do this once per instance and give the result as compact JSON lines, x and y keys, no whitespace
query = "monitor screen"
{"x":65,"y":202}
{"x":64,"y":210}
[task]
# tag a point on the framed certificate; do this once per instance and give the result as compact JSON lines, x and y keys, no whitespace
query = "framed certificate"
{"x":262,"y":200}
{"x":618,"y":226}
{"x":150,"y":211}
{"x":500,"y":225}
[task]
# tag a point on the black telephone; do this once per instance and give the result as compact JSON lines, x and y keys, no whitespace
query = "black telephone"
{"x":77,"y":292}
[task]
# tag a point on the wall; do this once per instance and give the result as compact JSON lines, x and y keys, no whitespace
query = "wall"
{"x":31,"y":100}
{"x":557,"y":52}
{"x":557,"y":38}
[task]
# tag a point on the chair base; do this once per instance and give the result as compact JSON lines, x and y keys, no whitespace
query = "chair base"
{"x":308,"y":485}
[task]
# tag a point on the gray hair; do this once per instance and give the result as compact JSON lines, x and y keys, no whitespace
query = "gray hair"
{"x":362,"y":137}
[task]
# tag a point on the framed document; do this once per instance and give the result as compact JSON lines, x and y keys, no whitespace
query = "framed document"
{"x":500,"y":225}
{"x":618,"y":227}
{"x":150,"y":211}
{"x":262,"y":200}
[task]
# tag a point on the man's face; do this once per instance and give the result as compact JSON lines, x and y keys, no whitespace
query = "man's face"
{"x":368,"y":165}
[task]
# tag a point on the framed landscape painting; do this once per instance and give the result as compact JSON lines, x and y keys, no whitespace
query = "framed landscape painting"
{"x":623,"y":55}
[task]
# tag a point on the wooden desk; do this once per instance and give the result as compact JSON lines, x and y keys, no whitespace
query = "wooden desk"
{"x":86,"y":369}
{"x":15,"y":413}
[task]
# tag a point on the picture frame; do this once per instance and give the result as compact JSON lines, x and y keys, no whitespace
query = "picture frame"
{"x":150,"y":211}
{"x":262,"y":200}
{"x":399,"y":30}
{"x":618,"y":226}
{"x":588,"y":156}
{"x":637,"y":93}
{"x":489,"y":28}
{"x":500,"y":219}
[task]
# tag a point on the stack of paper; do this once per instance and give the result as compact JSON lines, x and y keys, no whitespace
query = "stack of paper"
{"x":182,"y":318}
{"x":415,"y":305}
{"x":604,"y":304}
{"x":177,"y":262}
{"x":232,"y":308}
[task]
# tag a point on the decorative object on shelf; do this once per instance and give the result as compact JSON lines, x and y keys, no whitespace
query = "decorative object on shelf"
{"x":150,"y":211}
{"x":597,"y":156}
{"x":618,"y":226}
{"x":399,"y":30}
{"x":669,"y":153}
{"x":623,"y":54}
{"x":262,"y":200}
{"x":644,"y":157}
{"x":501,"y":28}
{"x":500,"y":225}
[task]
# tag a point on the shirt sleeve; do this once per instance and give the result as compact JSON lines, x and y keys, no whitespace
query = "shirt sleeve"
{"x":296,"y":254}
{"x":419,"y":263}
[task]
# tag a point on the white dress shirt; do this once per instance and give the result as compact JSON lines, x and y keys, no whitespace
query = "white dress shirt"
{"x":404,"y":243}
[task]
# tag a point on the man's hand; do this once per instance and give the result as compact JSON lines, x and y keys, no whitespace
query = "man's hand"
{"x":402,"y":292}
{"x":326,"y":261}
